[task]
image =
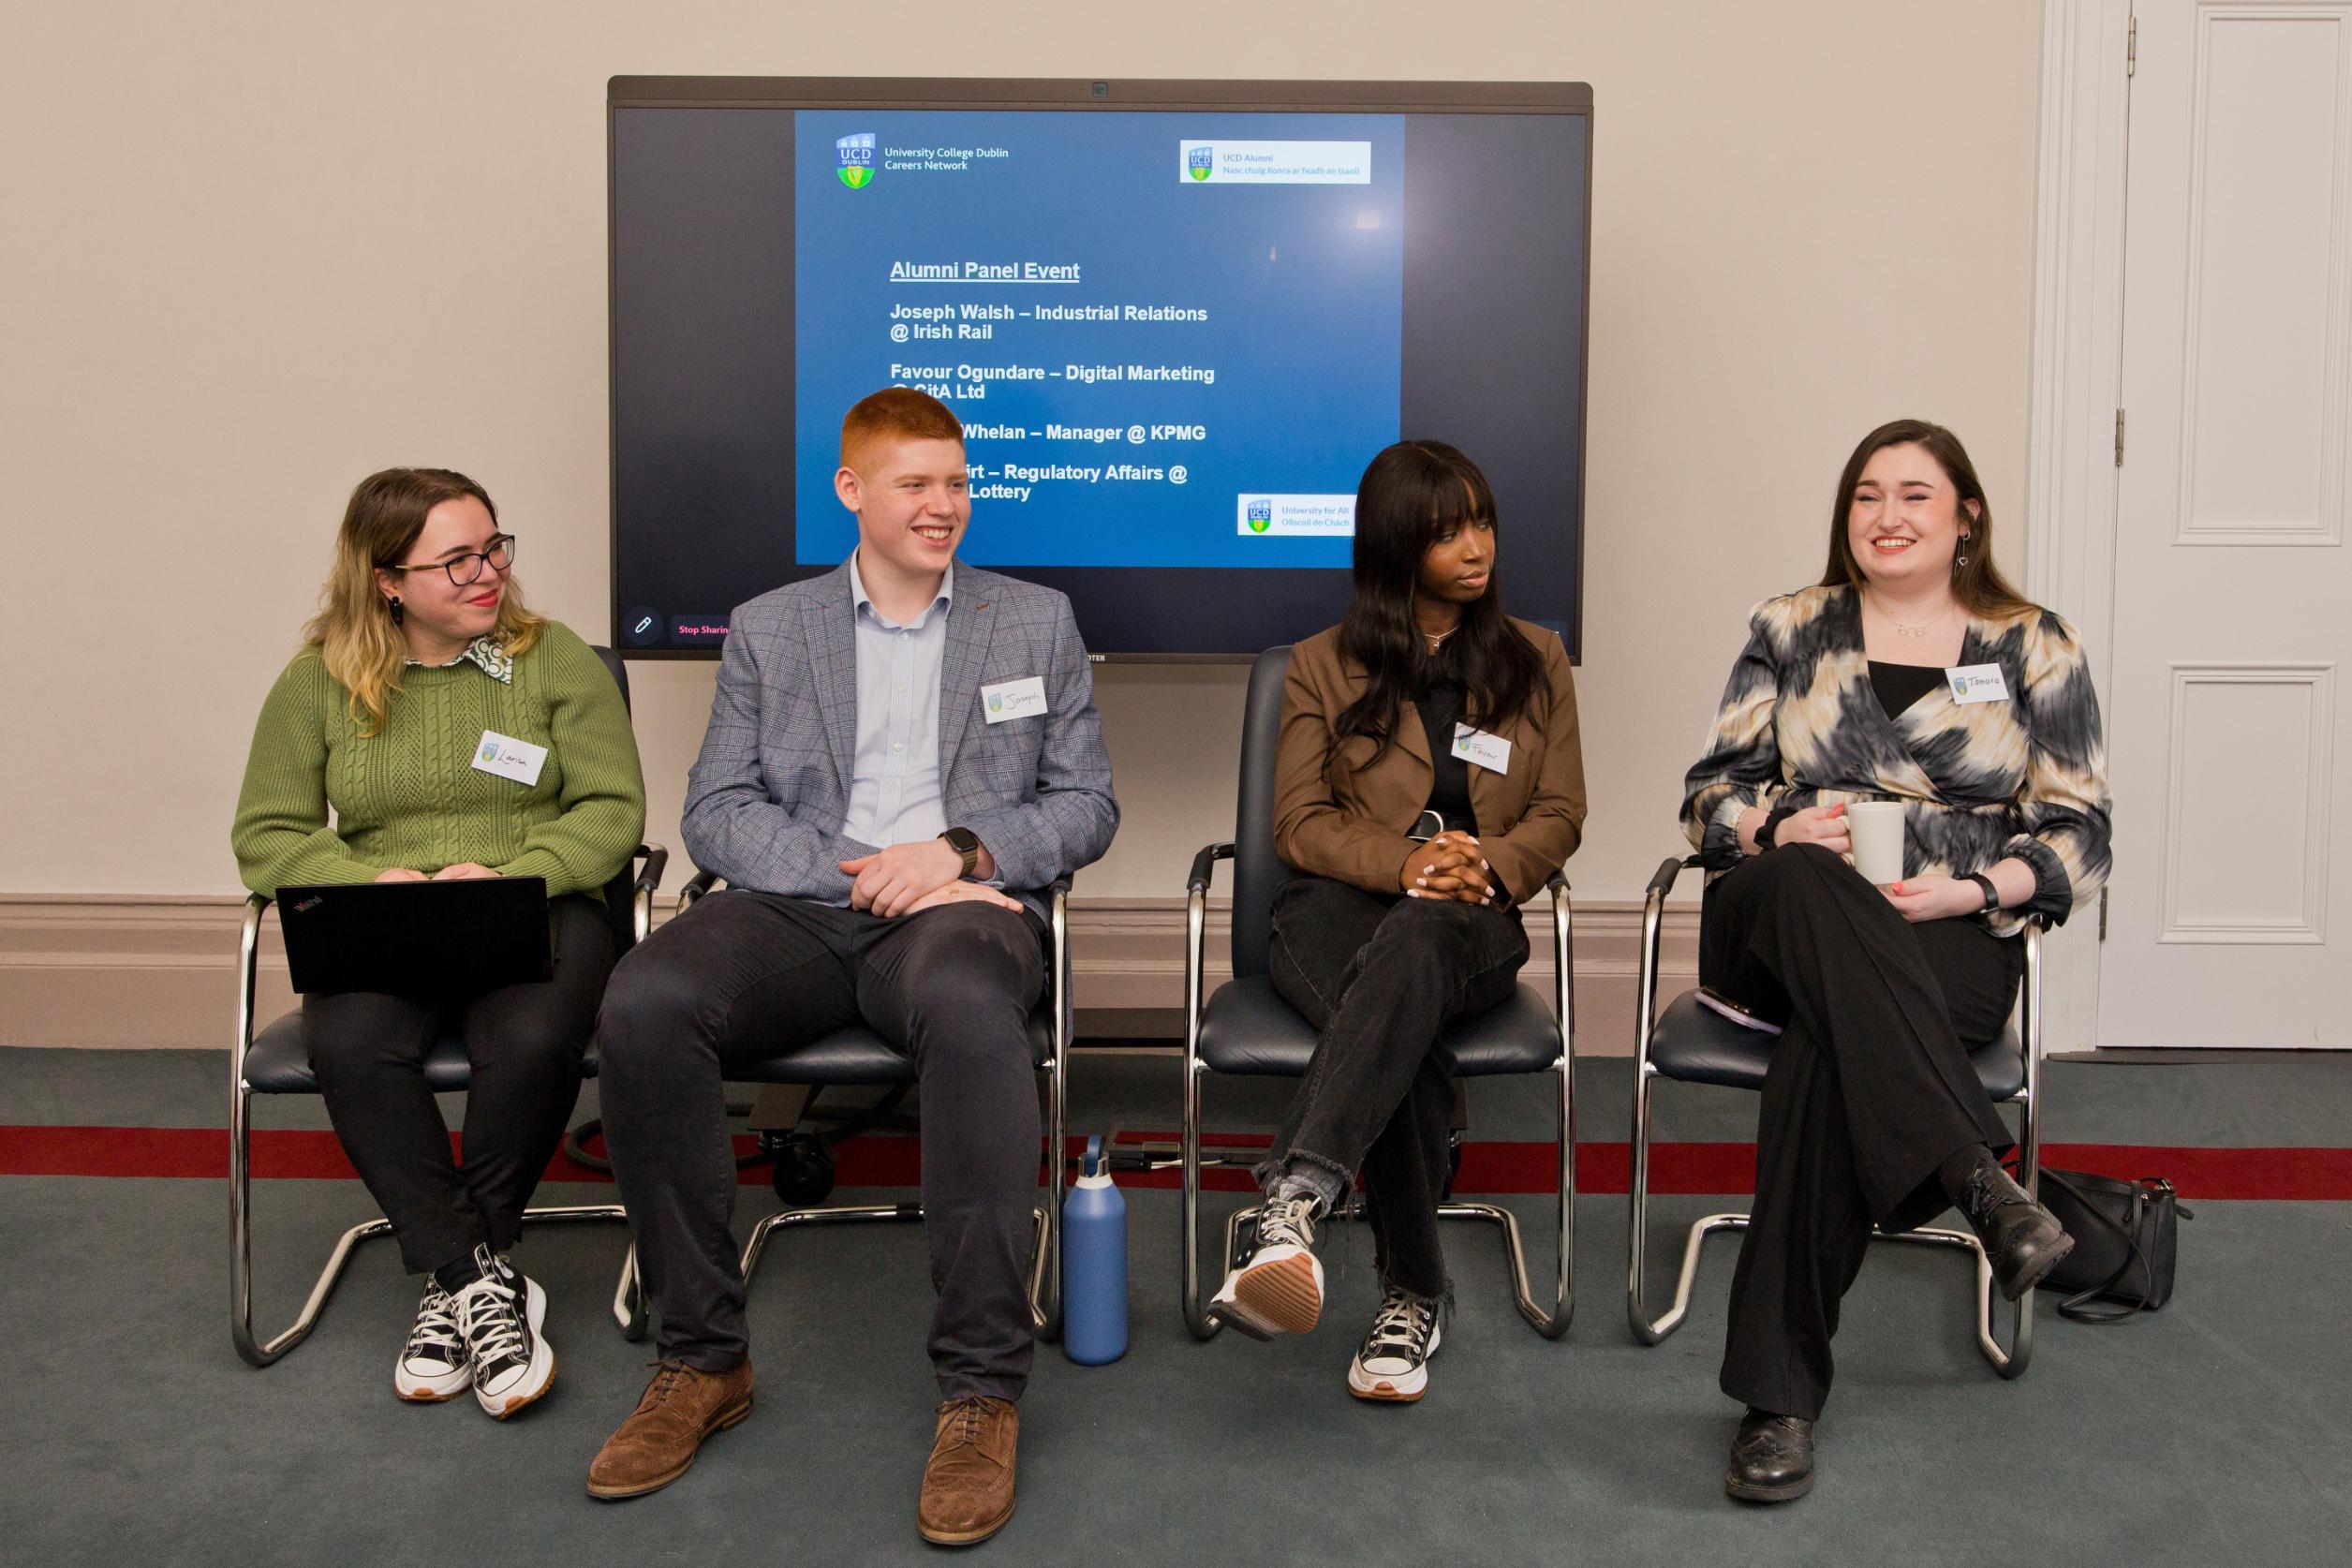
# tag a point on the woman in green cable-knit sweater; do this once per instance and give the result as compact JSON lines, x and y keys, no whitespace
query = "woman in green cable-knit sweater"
{"x":421,"y":653}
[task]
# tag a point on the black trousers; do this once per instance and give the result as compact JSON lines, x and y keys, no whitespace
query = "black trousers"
{"x":743,"y":976}
{"x":524,"y":1043}
{"x":1380,"y":979}
{"x":1870,"y":1090}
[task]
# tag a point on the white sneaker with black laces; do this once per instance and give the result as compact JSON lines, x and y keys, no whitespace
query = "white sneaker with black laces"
{"x":1394,"y":1363}
{"x":434,"y":1365}
{"x":499,"y":1316}
{"x":1280,"y":1289}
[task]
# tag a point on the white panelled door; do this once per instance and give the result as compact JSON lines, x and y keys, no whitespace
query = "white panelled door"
{"x":2230,"y":914}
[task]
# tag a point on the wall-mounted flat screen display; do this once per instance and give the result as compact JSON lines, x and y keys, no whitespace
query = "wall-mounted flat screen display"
{"x":1176,"y":318}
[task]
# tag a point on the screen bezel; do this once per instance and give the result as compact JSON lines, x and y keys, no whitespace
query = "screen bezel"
{"x":1070,"y":94}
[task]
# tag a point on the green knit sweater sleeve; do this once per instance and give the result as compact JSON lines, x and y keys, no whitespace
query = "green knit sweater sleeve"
{"x":603,"y":795}
{"x":280,"y":834}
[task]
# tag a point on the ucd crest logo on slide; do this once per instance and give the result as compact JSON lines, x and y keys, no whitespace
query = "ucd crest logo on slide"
{"x":857,"y":159}
{"x":1198,"y":161}
{"x":1261,"y":516}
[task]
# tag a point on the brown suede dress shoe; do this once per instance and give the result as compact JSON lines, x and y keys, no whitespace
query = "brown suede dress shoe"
{"x":968,"y":1485}
{"x":656,"y":1445}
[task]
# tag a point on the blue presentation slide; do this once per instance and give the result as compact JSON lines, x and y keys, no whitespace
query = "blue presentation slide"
{"x":1174,"y":339}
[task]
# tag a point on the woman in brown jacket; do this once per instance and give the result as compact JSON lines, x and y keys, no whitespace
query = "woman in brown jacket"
{"x":1428,"y":780}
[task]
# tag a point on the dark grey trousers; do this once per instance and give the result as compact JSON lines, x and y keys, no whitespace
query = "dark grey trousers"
{"x":1380,"y":979}
{"x":743,"y":976}
{"x":1870,"y":1090}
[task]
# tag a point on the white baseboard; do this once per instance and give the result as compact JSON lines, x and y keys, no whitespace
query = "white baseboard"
{"x":127,"y":971}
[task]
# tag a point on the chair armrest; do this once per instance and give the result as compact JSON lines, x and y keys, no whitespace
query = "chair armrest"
{"x":1662,"y":884}
{"x":702,"y":882}
{"x":657,"y":858}
{"x":1205,"y":866}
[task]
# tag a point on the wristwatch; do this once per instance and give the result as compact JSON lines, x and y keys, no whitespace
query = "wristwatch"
{"x":1993,"y":893}
{"x":964,"y":842}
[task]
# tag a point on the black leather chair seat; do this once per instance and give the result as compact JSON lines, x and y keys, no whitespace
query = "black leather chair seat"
{"x":1696,"y":1044}
{"x":1247,"y":1028}
{"x":278,"y":1061}
{"x":857,"y":1055}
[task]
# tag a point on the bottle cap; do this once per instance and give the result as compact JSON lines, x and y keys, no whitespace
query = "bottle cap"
{"x":1094,"y":1155}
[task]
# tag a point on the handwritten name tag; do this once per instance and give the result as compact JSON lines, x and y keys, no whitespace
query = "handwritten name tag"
{"x":1013,"y":699}
{"x":1491,"y":752}
{"x":1977,"y":682}
{"x":509,"y":757}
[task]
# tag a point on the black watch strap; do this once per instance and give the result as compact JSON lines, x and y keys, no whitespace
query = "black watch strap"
{"x":1993,"y":893}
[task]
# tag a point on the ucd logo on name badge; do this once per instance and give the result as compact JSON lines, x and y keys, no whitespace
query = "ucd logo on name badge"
{"x":857,"y":159}
{"x":1261,"y":516}
{"x":490,"y":752}
{"x":1198,"y":161}
{"x":996,"y":702}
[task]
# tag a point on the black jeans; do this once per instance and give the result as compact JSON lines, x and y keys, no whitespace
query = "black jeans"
{"x":1870,"y":1090}
{"x":1380,"y":979}
{"x":743,"y":976}
{"x":524,"y":1043}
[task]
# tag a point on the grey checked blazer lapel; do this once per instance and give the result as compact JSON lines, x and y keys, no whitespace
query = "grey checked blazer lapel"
{"x":968,"y":620}
{"x":829,"y":628}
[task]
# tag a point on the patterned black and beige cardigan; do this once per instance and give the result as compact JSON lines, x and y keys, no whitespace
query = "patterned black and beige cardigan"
{"x":1801,"y":726}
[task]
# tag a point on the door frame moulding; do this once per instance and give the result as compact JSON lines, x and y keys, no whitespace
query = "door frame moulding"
{"x":2077,"y":387}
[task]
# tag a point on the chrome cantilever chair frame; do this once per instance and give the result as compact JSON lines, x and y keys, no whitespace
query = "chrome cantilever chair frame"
{"x":629,"y":1306}
{"x":2009,"y":1360}
{"x":258,"y":1352}
{"x":1550,"y":1321}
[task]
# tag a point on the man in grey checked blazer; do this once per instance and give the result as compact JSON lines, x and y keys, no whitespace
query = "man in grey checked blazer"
{"x":903,"y":757}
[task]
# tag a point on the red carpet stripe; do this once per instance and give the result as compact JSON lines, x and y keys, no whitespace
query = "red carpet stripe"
{"x":2312,"y":1174}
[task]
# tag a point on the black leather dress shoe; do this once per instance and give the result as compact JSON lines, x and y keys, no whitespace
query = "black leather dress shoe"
{"x":2022,"y":1240}
{"x":1771,"y":1459}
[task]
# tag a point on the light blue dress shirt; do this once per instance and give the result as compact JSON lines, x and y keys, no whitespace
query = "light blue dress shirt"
{"x":894,"y":783}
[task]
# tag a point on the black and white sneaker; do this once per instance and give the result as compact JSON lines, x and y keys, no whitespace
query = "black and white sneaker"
{"x":1280,"y":1289}
{"x":499,"y":1315}
{"x":1394,"y":1363}
{"x":434,"y":1365}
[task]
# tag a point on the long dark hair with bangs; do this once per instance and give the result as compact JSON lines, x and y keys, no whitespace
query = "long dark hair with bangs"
{"x":1976,"y":583}
{"x":1413,"y":492}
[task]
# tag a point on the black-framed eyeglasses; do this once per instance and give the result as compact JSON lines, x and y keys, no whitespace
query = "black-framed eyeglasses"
{"x":466,"y":570}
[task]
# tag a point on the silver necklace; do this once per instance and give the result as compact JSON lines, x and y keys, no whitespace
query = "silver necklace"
{"x":1906,"y":629}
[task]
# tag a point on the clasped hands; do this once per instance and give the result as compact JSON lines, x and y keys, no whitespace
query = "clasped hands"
{"x":463,"y":871}
{"x":1915,"y":898}
{"x":908,"y":878}
{"x":1448,"y":866}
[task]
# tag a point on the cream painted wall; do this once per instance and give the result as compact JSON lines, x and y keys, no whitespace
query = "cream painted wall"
{"x":253,"y":251}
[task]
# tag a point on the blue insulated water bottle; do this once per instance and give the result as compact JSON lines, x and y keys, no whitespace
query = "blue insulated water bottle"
{"x":1094,"y":1264}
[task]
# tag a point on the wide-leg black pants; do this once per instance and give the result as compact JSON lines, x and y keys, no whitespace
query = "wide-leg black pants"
{"x":1380,"y":979}
{"x":744,"y":975}
{"x":524,"y":1043}
{"x":1870,"y":1090}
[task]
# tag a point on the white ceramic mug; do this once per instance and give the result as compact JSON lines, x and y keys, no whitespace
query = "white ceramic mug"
{"x":1876,"y":829}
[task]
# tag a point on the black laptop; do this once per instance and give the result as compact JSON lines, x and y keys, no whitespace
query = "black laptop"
{"x":435,"y":937}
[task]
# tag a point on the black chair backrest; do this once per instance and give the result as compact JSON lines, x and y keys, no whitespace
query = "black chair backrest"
{"x":1258,"y":872}
{"x":620,"y":900}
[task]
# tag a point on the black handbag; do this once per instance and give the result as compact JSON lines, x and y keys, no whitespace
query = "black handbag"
{"x":2126,"y":1237}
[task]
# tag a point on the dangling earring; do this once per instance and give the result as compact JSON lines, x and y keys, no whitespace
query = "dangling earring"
{"x":1960,"y":559}
{"x":396,"y":612}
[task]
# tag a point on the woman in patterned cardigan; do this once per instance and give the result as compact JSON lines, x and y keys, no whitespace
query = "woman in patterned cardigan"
{"x":1871,"y":1112}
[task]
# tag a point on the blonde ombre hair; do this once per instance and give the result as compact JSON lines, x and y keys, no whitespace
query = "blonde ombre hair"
{"x":354,"y":631}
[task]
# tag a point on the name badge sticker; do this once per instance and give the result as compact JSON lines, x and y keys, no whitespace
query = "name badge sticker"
{"x":1013,"y":699}
{"x":509,"y":757}
{"x":1977,"y":682}
{"x":1491,"y":752}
